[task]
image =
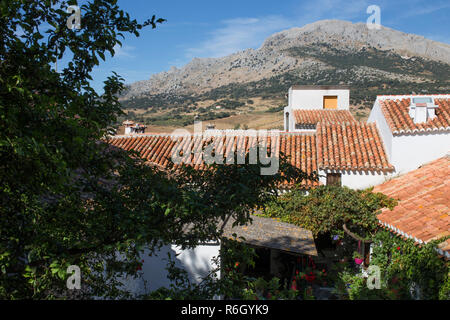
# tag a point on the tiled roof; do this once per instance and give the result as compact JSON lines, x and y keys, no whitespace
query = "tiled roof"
{"x":345,"y":146}
{"x":396,"y":112}
{"x":351,"y":146}
{"x":158,"y":149}
{"x":423,"y":212}
{"x":314,"y":116}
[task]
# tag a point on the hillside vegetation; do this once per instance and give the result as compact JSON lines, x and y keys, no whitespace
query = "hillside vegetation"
{"x":257,"y":81}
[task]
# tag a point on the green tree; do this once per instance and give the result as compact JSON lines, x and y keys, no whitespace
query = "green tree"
{"x":332,"y":209}
{"x":69,"y":198}
{"x":409,"y":270}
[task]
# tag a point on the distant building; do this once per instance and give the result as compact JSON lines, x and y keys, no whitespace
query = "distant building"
{"x":309,"y":104}
{"x":133,"y":128}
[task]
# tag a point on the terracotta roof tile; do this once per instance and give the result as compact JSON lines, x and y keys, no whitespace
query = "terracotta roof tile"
{"x":312,"y":117}
{"x":397,"y":116}
{"x":423,"y":212}
{"x":345,"y":146}
{"x":158,"y":149}
{"x":350,"y":146}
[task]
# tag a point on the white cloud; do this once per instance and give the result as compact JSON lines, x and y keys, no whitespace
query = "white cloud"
{"x":123,"y":51}
{"x":249,"y":32}
{"x":238,"y":34}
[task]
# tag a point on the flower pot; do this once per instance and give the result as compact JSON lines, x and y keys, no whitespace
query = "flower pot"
{"x":358,"y":261}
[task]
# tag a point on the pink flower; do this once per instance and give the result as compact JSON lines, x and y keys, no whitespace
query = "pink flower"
{"x":294,"y":285}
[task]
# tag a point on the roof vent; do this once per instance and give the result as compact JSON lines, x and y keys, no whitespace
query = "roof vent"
{"x":421,"y":109}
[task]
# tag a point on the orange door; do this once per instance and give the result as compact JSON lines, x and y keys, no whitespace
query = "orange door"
{"x":330,"y":102}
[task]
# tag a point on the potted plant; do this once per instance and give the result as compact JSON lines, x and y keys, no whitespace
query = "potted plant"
{"x":358,"y":258}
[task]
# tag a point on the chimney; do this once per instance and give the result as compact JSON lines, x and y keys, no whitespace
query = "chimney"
{"x":421,"y":109}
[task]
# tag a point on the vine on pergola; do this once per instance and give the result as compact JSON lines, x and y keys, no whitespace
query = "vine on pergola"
{"x":334,"y":210}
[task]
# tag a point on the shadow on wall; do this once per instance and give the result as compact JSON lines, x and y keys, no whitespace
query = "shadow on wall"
{"x":197,"y":262}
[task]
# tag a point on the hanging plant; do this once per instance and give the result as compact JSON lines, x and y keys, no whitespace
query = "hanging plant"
{"x":358,"y":258}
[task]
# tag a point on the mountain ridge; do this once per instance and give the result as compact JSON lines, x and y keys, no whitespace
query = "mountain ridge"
{"x":271,"y":59}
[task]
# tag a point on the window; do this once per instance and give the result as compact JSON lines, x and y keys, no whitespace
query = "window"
{"x":333,"y":179}
{"x":330,"y":102}
{"x":287,"y":122}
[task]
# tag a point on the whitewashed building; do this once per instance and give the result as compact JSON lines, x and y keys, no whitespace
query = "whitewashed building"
{"x":307,"y":105}
{"x":349,"y":153}
{"x":415,"y":128}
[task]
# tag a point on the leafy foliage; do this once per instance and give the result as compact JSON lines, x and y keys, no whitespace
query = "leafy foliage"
{"x":326,"y":209}
{"x":69,"y":198}
{"x":409,"y":270}
{"x":51,"y":159}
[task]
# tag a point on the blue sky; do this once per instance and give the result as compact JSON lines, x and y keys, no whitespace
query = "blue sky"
{"x":199,"y":28}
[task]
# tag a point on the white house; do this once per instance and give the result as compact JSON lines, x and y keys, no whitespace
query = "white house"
{"x":415,"y":128}
{"x":351,"y":154}
{"x":315,"y":98}
{"x":344,"y":157}
{"x":131,"y":127}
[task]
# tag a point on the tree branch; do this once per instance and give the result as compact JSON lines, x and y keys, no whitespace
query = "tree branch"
{"x":353,"y":235}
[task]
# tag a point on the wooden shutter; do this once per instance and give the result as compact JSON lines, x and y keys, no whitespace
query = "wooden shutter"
{"x":330,"y":102}
{"x":333,"y":179}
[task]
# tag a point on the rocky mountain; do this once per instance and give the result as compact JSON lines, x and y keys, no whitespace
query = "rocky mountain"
{"x":249,"y":87}
{"x":309,"y":52}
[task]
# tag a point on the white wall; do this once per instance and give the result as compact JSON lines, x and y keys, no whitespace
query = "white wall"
{"x":310,"y":99}
{"x":409,"y":151}
{"x":357,"y":179}
{"x":197,"y":262}
{"x":376,"y":115}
